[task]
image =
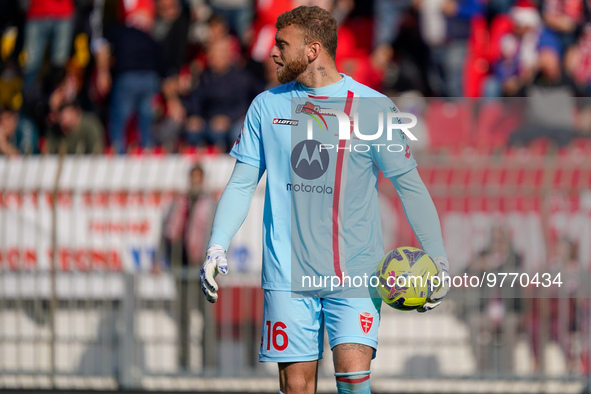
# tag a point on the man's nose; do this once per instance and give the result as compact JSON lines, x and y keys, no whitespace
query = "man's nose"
{"x":274,"y":51}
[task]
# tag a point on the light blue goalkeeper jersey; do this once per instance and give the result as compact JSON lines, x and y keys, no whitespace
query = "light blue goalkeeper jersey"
{"x":321,"y":216}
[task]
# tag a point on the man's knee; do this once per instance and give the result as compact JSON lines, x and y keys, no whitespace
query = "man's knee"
{"x":350,"y":357}
{"x":298,"y":377}
{"x":299,"y":384}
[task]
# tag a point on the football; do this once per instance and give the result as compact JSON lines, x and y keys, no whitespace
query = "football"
{"x":404,"y":276}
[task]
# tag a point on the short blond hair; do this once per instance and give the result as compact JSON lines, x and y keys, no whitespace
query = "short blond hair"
{"x":316,"y":23}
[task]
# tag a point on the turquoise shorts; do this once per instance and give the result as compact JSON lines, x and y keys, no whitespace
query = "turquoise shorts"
{"x":293,"y":328}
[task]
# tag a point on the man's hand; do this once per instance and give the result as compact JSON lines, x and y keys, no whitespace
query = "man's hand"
{"x":215,"y":263}
{"x":436,"y":298}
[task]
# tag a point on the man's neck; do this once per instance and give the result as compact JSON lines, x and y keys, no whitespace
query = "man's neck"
{"x":319,"y":76}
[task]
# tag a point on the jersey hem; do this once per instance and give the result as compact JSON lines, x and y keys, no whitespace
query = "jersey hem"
{"x":353,"y":339}
{"x":289,"y":359}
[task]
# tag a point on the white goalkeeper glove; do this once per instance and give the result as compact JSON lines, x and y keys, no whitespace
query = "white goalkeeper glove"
{"x":215,"y":263}
{"x":442,"y":271}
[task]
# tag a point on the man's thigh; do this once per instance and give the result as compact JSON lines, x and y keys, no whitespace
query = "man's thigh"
{"x":292,"y":328}
{"x":352,"y":320}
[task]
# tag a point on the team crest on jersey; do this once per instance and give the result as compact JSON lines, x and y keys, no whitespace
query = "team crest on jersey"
{"x":366,"y":321}
{"x":288,"y":122}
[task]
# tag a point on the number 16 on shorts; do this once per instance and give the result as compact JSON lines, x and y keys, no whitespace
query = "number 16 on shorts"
{"x":292,"y":328}
{"x":274,"y":336}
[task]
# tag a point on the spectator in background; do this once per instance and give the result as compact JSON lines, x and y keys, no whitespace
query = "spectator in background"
{"x":12,"y":25}
{"x":12,"y":16}
{"x":388,"y":16}
{"x":388,"y":19}
{"x":190,"y":218}
{"x":171,"y":29}
{"x":76,"y":132}
{"x":551,"y":88}
{"x":187,"y":229}
{"x":47,"y":21}
{"x":87,"y":26}
{"x":561,"y":20}
{"x":514,"y":50}
{"x":170,"y":119}
{"x":459,"y":15}
{"x":65,"y":91}
{"x":497,"y":7}
{"x":566,"y":306}
{"x":411,"y":56}
{"x":11,"y":84}
{"x":200,"y":13}
{"x":497,"y":313}
{"x":218,"y":105}
{"x":135,"y":76}
{"x":239,"y":15}
{"x":432,"y":25}
{"x":171,"y":33}
{"x":18,"y":134}
{"x":218,"y":30}
{"x":578,"y":62}
{"x":42,"y":103}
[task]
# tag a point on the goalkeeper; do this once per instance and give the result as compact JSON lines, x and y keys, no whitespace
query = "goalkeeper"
{"x":321,"y":211}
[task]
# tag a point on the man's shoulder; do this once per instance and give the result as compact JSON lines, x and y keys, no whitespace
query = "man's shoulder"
{"x":371,"y":99}
{"x":272,"y":94}
{"x":364,"y":90}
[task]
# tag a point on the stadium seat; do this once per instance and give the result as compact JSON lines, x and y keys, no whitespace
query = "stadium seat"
{"x":449,"y":124}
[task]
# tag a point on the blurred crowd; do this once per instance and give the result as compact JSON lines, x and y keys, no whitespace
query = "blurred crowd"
{"x":497,"y":318}
{"x":126,"y":76}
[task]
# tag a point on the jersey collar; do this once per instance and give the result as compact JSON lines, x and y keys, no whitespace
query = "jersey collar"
{"x":327,"y":91}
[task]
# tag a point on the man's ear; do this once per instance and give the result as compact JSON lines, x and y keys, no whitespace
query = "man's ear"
{"x":313,"y":51}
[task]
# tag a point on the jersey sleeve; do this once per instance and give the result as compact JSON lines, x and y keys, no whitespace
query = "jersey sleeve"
{"x":393,"y":156}
{"x":234,"y":204}
{"x":248,"y":148}
{"x":420,"y":212}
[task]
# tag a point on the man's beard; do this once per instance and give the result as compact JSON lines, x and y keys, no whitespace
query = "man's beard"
{"x":292,"y":70}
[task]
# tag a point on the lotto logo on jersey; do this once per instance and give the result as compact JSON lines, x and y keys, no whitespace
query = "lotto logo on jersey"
{"x":288,"y":122}
{"x":366,"y":321}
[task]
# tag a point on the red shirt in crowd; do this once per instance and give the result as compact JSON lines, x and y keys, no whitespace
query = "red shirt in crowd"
{"x":54,"y":9}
